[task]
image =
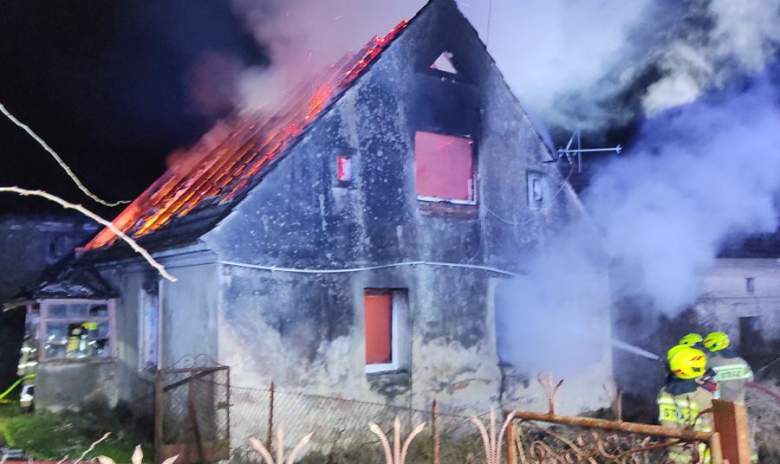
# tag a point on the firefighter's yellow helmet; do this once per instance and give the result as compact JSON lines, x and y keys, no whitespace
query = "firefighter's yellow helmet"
{"x":691,"y":339}
{"x":674,"y":350}
{"x":716,"y":341}
{"x":688,"y":363}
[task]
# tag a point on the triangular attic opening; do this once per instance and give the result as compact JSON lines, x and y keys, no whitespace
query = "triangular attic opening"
{"x":444,"y":63}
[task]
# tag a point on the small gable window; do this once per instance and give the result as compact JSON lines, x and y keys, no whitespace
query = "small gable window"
{"x":444,"y":168}
{"x":344,"y":169}
{"x":444,"y":64}
{"x":537,"y":190}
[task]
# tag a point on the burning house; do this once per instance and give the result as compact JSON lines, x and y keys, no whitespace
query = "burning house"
{"x":347,"y":245}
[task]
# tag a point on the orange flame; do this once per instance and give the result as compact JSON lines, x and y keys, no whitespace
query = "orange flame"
{"x":226,"y":170}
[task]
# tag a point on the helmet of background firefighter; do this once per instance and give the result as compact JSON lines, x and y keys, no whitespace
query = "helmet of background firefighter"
{"x":688,"y":363}
{"x":692,"y":339}
{"x":716,"y":341}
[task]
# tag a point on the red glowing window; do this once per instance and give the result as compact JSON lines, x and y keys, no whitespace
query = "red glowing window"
{"x":444,"y":168}
{"x":344,"y":169}
{"x":378,"y":310}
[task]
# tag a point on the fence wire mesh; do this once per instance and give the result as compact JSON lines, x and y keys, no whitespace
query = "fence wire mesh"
{"x":341,"y":434}
{"x":194,"y":417}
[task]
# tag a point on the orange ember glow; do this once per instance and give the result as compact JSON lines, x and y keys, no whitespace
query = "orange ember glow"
{"x":226,"y":170}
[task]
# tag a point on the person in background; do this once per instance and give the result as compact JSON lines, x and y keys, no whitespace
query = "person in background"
{"x":693,"y":340}
{"x":732,"y":374}
{"x":683,"y":402}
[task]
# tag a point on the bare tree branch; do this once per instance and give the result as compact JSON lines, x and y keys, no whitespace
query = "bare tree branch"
{"x":59,"y":160}
{"x":137,"y":248}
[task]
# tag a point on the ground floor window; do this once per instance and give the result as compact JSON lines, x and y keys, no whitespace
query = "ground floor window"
{"x":383,"y":315}
{"x":150,"y":315}
{"x":75,"y":329}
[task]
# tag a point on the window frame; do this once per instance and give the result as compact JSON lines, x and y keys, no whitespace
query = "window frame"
{"x":143,"y":298}
{"x":395,"y":337}
{"x":474,"y":170}
{"x":43,"y":314}
{"x":750,"y":285}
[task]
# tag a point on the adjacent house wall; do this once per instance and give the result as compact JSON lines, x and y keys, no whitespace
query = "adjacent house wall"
{"x":726,"y":297}
{"x":28,"y":244}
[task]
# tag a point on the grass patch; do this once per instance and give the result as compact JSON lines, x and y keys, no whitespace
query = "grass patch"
{"x":45,"y":435}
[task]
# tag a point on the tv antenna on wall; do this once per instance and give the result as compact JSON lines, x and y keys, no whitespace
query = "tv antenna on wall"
{"x":577,"y":152}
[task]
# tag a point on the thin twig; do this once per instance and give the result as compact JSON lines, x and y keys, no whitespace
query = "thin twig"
{"x":137,"y":248}
{"x":59,"y":160}
{"x":91,"y":448}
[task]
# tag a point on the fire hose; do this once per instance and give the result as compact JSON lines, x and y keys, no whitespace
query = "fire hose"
{"x":769,"y":391}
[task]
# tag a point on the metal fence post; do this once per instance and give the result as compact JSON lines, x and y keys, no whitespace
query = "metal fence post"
{"x":158,"y":417}
{"x":269,"y":438}
{"x":435,"y":430}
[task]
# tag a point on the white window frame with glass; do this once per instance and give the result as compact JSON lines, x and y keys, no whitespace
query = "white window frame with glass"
{"x":149,"y":332}
{"x":78,"y":313}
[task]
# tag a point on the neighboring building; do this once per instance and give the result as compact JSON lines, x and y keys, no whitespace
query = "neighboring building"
{"x":348,"y":246}
{"x":28,"y":245}
{"x":741,"y":295}
{"x":31,"y":243}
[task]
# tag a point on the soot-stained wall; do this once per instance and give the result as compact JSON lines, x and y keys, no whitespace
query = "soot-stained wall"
{"x":305,"y":331}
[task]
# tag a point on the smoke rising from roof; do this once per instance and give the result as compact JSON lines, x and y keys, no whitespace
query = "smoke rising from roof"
{"x":703,"y":170}
{"x":595,"y":64}
{"x":304,"y":36}
{"x":591,"y":64}
{"x":699,"y":176}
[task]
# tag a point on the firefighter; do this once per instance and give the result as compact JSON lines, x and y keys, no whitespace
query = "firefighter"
{"x":28,"y":368}
{"x":74,"y":340}
{"x":732,"y":374}
{"x":693,"y":340}
{"x":683,"y":402}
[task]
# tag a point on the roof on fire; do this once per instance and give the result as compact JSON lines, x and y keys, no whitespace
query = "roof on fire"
{"x":215,"y":175}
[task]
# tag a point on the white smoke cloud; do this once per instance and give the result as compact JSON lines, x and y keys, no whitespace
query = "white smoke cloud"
{"x":571,"y":62}
{"x":699,"y":176}
{"x":550,"y":50}
{"x":304,"y":36}
{"x":742,"y":38}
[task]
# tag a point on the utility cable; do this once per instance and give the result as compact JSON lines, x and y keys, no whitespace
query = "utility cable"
{"x":370,"y":268}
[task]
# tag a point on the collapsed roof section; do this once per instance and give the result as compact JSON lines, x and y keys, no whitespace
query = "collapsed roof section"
{"x":194,"y":195}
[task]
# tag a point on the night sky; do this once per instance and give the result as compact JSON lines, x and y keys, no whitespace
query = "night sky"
{"x":114,"y":87}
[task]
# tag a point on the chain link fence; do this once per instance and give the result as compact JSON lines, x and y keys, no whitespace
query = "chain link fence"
{"x":193,"y":420}
{"x":198,"y":424}
{"x":340,"y":428}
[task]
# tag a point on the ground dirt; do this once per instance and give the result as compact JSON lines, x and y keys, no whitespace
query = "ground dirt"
{"x":764,"y":413}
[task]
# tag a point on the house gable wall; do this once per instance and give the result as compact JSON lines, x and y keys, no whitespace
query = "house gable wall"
{"x":305,"y":330}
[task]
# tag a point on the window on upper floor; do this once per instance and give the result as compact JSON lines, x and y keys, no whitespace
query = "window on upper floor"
{"x":537,"y":190}
{"x":750,"y":285}
{"x":445,"y":64}
{"x":444,"y":167}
